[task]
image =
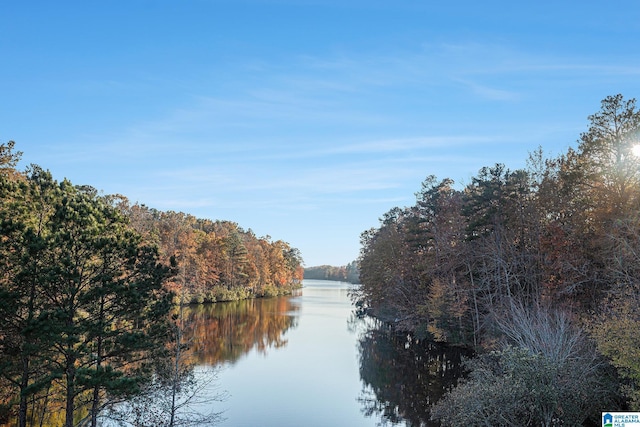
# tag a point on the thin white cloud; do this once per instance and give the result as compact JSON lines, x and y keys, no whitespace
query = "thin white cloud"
{"x":331,"y":111}
{"x":337,"y":92}
{"x":407,"y":144}
{"x":490,"y":93}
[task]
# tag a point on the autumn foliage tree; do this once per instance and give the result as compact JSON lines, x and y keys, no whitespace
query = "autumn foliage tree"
{"x":87,"y":281}
{"x":560,"y":234}
{"x":216,"y":260}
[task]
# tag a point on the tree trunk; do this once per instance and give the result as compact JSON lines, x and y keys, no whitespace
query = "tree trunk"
{"x":24,"y":383}
{"x":70,"y":373}
{"x":95,"y":404}
{"x":71,"y":379}
{"x":26,"y":357}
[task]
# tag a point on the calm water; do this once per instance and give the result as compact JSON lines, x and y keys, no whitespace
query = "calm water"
{"x":308,"y":361}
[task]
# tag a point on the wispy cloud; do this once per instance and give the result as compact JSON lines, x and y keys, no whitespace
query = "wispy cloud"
{"x":342,"y":123}
{"x":356,"y":94}
{"x":490,"y":93}
{"x":406,"y":144}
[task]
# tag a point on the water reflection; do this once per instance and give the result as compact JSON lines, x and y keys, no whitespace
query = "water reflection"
{"x":328,"y":374}
{"x":224,"y":332}
{"x":403,"y":376}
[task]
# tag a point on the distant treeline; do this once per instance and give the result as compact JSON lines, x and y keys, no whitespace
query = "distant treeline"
{"x":536,"y":268}
{"x":346,"y":273}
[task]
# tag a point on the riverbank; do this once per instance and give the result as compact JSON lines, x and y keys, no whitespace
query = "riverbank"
{"x":224,"y":294}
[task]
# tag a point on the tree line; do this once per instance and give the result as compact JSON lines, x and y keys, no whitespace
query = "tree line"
{"x":215,"y":260}
{"x":346,"y":273}
{"x":88,"y":285}
{"x":536,"y":268}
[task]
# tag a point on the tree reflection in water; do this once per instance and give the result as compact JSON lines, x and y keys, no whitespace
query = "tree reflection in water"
{"x":403,"y":377}
{"x":225,"y":331}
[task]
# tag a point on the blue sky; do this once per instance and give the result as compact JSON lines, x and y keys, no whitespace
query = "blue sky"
{"x":303,"y":120}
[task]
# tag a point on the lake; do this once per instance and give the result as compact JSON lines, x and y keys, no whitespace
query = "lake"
{"x":307,"y":360}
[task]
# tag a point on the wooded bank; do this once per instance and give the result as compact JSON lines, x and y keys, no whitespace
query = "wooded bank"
{"x":539,"y":265}
{"x":87,"y":287}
